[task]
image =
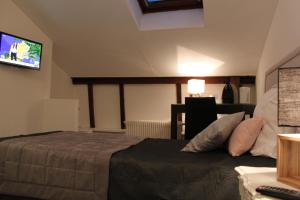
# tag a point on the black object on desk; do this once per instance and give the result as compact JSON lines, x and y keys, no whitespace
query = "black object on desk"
{"x":177,"y":109}
{"x":200,"y":112}
{"x":228,"y":94}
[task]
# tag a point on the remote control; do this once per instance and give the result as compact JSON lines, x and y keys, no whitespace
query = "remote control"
{"x":278,"y":192}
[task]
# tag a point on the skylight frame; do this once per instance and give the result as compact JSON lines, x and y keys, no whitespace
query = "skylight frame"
{"x":169,"y":5}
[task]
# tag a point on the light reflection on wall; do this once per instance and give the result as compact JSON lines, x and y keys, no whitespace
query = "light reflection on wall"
{"x":191,"y":63}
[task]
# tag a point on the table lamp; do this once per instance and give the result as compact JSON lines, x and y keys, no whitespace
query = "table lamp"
{"x":196,"y":87}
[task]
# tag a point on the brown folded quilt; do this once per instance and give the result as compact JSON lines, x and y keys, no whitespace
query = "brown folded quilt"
{"x":59,"y":166}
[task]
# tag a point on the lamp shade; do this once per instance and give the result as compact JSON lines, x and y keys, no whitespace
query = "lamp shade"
{"x":196,"y":86}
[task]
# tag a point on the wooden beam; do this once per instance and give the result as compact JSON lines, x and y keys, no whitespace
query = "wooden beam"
{"x":91,"y":105}
{"x":247,"y":80}
{"x":179,"y":98}
{"x":178,"y":93}
{"x":159,"y":80}
{"x":122,"y":106}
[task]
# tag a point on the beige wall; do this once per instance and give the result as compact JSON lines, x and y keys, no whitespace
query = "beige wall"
{"x":22,"y":91}
{"x":107,"y":107}
{"x":61,"y":83}
{"x":142,"y":102}
{"x":82,"y":95}
{"x":60,"y":114}
{"x":283,"y":38}
{"x":230,"y":43}
{"x":149,"y":102}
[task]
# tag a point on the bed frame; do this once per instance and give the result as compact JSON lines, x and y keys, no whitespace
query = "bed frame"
{"x":177,"y":109}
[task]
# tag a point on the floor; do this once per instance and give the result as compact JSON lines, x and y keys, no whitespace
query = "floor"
{"x":5,"y":197}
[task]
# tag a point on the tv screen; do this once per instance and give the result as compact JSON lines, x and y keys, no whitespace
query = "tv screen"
{"x":20,"y":52}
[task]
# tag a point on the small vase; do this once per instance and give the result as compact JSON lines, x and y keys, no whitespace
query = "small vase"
{"x":227,"y":94}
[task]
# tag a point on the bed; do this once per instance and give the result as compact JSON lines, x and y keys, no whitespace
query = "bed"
{"x":59,"y":165}
{"x":156,"y":169}
{"x":71,"y":166}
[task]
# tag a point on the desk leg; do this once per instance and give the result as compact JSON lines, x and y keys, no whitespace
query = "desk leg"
{"x":173,"y":123}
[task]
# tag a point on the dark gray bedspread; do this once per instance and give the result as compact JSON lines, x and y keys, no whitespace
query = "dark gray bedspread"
{"x":156,"y":169}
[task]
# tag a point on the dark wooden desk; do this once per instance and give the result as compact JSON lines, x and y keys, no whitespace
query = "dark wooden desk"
{"x":177,"y":109}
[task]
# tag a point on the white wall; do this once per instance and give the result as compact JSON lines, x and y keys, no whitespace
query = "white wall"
{"x":81,"y":93}
{"x":107,"y":107}
{"x":142,"y":102}
{"x":149,"y":102}
{"x":60,"y":114}
{"x":230,"y":43}
{"x":61,"y":83}
{"x":22,"y":91}
{"x":283,"y":38}
{"x":62,"y":88}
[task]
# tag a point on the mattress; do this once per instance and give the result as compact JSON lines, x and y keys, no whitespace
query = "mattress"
{"x":156,"y":169}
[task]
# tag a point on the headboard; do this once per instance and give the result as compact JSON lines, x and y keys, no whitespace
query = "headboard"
{"x":291,"y":60}
{"x":177,"y":109}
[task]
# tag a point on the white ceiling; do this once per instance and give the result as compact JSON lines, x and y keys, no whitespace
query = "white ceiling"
{"x":100,"y":38}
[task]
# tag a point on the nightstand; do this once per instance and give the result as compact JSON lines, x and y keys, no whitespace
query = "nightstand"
{"x":252,"y":177}
{"x":288,"y":159}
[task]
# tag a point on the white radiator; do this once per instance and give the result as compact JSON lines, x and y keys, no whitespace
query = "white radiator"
{"x":149,"y":128}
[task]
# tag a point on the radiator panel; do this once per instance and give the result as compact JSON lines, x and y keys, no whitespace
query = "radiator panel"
{"x":149,"y":129}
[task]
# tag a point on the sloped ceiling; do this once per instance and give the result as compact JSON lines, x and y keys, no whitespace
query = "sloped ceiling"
{"x":100,"y":38}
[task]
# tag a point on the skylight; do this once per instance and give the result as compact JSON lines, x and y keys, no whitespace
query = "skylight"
{"x":151,"y":6}
{"x":159,"y":20}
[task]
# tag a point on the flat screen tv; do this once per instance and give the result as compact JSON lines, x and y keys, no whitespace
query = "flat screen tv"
{"x":20,"y":52}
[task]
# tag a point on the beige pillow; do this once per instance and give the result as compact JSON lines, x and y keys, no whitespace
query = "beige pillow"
{"x":244,"y":136}
{"x":266,"y":143}
{"x":215,"y":134}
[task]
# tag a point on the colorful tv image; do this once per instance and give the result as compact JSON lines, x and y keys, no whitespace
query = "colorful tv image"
{"x":19,"y":51}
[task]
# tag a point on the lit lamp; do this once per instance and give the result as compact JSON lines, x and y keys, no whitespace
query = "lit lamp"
{"x":196,"y":87}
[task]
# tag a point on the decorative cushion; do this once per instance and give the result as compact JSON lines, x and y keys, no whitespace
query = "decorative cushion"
{"x":244,"y":136}
{"x":266,"y":143}
{"x":215,"y":134}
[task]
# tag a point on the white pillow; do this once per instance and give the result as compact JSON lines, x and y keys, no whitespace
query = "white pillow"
{"x":266,"y":143}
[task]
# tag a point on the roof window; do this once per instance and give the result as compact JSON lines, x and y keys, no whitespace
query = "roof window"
{"x":152,"y":6}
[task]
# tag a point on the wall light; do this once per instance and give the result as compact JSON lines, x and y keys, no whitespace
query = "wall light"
{"x":196,"y":87}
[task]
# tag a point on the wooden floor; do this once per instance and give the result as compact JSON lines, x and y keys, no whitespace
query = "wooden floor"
{"x":5,"y":197}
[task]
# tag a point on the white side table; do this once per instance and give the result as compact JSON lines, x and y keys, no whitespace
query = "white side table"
{"x":252,"y":177}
